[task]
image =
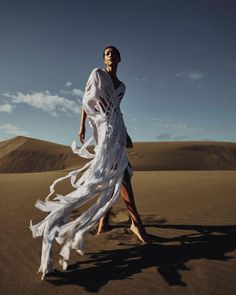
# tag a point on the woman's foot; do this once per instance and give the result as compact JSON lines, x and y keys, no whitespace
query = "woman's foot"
{"x":103,"y":226}
{"x":140,"y":232}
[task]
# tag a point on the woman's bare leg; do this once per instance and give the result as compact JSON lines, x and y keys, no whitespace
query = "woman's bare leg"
{"x":136,"y":226}
{"x":128,"y":196}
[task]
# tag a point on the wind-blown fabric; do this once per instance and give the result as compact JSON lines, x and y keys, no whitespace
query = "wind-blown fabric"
{"x":101,"y":179}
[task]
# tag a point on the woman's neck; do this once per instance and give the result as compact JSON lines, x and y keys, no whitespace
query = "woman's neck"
{"x":111,"y":70}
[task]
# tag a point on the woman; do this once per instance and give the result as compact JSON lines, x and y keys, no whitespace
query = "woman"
{"x":104,"y":176}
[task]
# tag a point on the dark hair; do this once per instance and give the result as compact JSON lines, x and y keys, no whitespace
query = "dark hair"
{"x":114,"y":48}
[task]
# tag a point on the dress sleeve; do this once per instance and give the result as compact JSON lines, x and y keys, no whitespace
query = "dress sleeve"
{"x":92,"y":91}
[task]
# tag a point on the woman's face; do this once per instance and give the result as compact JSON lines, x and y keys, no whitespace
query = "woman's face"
{"x":111,"y":57}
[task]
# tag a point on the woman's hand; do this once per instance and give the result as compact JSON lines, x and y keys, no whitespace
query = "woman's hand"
{"x":129,"y":143}
{"x":81,"y":134}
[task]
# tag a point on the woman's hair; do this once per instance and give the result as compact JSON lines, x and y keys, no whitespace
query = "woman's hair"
{"x":114,"y":48}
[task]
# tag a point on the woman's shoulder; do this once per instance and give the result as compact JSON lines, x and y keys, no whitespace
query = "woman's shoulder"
{"x":96,"y":71}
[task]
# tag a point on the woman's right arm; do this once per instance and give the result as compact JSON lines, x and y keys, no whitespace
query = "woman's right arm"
{"x":81,"y":133}
{"x":91,"y":91}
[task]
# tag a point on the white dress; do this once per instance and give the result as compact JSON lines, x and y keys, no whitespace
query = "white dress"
{"x":102,"y":177}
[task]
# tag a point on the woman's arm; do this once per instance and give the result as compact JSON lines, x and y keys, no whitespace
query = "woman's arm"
{"x":81,"y":133}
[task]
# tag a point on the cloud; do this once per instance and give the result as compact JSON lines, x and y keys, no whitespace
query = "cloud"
{"x":173,"y":136}
{"x":191,"y":75}
{"x":161,"y":85}
{"x":172,"y":130}
{"x":11,"y":129}
{"x":164,"y":135}
{"x":6,"y":108}
{"x":178,"y":126}
{"x":77,"y":92}
{"x":229,"y":65}
{"x":169,"y":124}
{"x":68,"y":84}
{"x":140,"y":79}
{"x":47,"y":102}
{"x":180,"y":137}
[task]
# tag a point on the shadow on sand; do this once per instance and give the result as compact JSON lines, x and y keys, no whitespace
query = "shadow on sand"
{"x":168,"y":256}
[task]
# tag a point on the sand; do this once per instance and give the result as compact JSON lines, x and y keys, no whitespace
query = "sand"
{"x":190,"y":215}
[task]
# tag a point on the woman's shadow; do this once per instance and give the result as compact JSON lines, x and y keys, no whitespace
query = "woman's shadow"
{"x":168,"y":255}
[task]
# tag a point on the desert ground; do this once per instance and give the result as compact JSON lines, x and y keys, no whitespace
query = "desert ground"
{"x":185,"y":193}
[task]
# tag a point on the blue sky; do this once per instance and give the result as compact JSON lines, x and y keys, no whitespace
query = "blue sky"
{"x":178,"y":64}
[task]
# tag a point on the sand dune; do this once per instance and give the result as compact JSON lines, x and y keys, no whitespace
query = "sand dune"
{"x":24,"y":154}
{"x":183,"y":155}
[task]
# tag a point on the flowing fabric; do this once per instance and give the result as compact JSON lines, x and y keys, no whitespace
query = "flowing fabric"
{"x":101,"y":179}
